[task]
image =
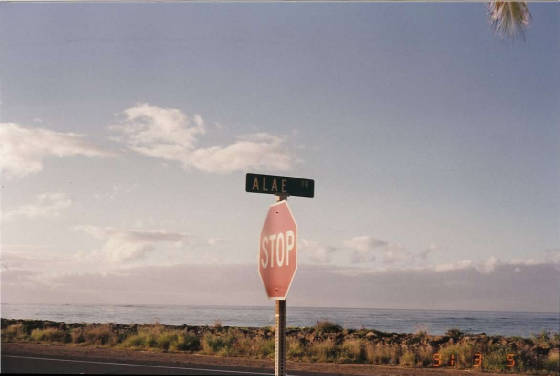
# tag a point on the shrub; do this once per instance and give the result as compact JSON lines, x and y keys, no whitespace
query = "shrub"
{"x":408,"y":359}
{"x":100,"y":335}
{"x":552,"y":362}
{"x":324,"y":351}
{"x":542,"y":338}
{"x":188,"y":342}
{"x":14,"y":331}
{"x":352,"y":351}
{"x":455,"y":333}
{"x":383,"y":354}
{"x":135,"y":340}
{"x":265,"y":347}
{"x":295,"y":349}
{"x":495,"y":359}
{"x":370,"y":352}
{"x":418,"y":337}
{"x":145,"y":337}
{"x":463,"y":354}
{"x":328,"y":327}
{"x":166,"y":339}
{"x":214,"y":344}
{"x":424,"y":356}
{"x":77,"y":335}
{"x":48,"y":335}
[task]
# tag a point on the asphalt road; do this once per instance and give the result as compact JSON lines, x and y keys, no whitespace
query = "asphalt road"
{"x":32,"y":364}
{"x":37,"y":364}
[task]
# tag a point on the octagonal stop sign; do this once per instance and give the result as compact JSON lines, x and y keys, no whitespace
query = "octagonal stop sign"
{"x":278,"y":251}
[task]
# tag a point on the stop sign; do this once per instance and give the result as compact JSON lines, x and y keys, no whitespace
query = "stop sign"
{"x":277,"y":256}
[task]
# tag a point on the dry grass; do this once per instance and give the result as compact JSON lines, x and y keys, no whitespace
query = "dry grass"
{"x":383,"y":354}
{"x":49,"y":335}
{"x":463,"y":355}
{"x":100,"y":335}
{"x":407,"y":359}
{"x":15,"y":331}
{"x":424,"y":355}
{"x":295,"y":349}
{"x":352,"y":351}
{"x":324,"y":351}
{"x":326,"y":342}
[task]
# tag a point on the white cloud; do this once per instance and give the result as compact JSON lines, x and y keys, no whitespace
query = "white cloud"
{"x":488,"y":265}
{"x":315,"y":252}
{"x":364,"y":248}
{"x":23,"y":150}
{"x":364,"y":243}
{"x":367,"y":249}
{"x":169,"y":134}
{"x":45,"y":205}
{"x":115,"y":191}
{"x":449,"y":267}
{"x":214,"y":241}
{"x":553,"y":256}
{"x":504,"y":289}
{"x":125,"y":246}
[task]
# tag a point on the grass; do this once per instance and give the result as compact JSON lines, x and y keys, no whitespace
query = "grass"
{"x":325,"y":342}
{"x":49,"y":335}
{"x":464,"y":353}
{"x":408,"y":359}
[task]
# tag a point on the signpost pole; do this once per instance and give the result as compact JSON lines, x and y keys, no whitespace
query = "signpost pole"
{"x":280,"y":342}
{"x":280,"y":330}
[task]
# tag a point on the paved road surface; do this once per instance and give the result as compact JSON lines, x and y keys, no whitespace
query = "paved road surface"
{"x":61,"y":359}
{"x":37,"y":364}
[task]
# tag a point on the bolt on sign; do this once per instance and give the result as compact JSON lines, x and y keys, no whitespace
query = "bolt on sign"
{"x":277,"y":258}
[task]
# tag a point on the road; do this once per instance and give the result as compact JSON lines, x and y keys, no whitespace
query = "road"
{"x":61,"y":359}
{"x":39,"y":364}
{"x":29,"y":364}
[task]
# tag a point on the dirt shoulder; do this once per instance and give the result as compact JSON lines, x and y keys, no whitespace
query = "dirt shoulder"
{"x":183,"y":359}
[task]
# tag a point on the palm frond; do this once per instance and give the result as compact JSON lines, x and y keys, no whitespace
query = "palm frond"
{"x":509,"y":18}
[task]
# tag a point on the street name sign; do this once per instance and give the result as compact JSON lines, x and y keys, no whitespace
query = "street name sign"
{"x":277,"y":256}
{"x":279,"y":185}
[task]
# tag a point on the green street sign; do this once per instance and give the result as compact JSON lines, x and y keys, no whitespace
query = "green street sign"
{"x":279,"y":185}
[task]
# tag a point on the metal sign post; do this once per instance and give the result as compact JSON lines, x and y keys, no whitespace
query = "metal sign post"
{"x":280,"y":329}
{"x":280,"y":339}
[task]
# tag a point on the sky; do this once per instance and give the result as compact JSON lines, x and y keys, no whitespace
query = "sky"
{"x":127,"y":130}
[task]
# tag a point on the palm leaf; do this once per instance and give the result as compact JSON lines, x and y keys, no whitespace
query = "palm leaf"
{"x":509,"y":18}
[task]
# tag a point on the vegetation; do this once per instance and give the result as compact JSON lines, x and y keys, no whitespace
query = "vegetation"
{"x":509,"y":18}
{"x":325,"y":342}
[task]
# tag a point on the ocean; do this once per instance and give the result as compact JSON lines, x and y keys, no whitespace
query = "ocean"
{"x":387,"y":320}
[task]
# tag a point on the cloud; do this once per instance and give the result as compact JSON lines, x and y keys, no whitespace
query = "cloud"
{"x":455,"y":266}
{"x":28,"y":268}
{"x":314,"y":252}
{"x":23,"y":150}
{"x":125,"y":246}
{"x":489,"y":265}
{"x":364,"y":248}
{"x":553,"y":256}
{"x":466,"y":289}
{"x":115,"y":191}
{"x":367,"y":249}
{"x":45,"y":205}
{"x":214,"y":241}
{"x":168,"y":133}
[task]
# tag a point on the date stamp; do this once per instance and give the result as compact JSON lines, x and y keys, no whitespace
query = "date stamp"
{"x":476,"y":360}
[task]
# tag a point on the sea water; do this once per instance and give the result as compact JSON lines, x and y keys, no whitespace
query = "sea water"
{"x":386,"y":320}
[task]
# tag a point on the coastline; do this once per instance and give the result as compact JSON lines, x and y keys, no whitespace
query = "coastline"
{"x":325,"y":343}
